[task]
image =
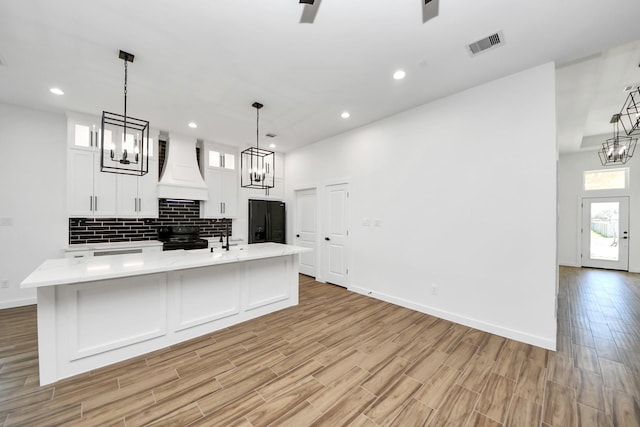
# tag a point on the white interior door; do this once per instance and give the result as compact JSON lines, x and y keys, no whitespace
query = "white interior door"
{"x":605,"y":232}
{"x":306,"y":229}
{"x":336,"y":234}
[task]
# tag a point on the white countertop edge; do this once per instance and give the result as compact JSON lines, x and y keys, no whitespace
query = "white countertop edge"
{"x":65,"y":271}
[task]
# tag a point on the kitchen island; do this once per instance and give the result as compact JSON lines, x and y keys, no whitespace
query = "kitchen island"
{"x":96,"y":311}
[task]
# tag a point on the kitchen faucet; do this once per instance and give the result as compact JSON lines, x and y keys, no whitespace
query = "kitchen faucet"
{"x":225,"y":247}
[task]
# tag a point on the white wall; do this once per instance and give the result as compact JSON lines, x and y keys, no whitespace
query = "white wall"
{"x":32,"y":195}
{"x":465,"y":188}
{"x":570,"y":194}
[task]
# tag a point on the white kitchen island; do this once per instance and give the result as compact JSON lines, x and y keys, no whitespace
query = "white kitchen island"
{"x":96,"y":311}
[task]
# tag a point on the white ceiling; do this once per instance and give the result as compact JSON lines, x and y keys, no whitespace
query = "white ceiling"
{"x":208,"y":60}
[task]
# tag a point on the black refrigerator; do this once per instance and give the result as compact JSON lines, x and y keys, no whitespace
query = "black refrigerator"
{"x":266,"y":221}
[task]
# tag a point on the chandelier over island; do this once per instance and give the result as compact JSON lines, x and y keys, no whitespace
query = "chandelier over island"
{"x":257,"y":165}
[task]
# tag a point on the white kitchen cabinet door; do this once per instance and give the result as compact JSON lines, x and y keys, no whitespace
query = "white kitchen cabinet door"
{"x":212,"y":208}
{"x":223,"y":194}
{"x":229,"y":187}
{"x":104,"y":190}
{"x":138,"y":196}
{"x":148,"y":192}
{"x":127,"y":196}
{"x":80,"y":198}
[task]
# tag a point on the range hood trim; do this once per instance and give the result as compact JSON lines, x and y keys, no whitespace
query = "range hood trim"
{"x":181,"y":177}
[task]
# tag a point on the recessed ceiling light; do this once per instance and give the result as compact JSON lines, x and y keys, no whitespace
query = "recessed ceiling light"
{"x":272,"y":145}
{"x":193,"y":125}
{"x":56,"y":91}
{"x":345,"y":115}
{"x":399,"y":75}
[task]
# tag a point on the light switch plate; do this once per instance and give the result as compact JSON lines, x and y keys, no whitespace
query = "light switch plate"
{"x":6,"y":221}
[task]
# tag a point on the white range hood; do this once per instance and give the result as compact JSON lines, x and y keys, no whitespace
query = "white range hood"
{"x":181,"y":178}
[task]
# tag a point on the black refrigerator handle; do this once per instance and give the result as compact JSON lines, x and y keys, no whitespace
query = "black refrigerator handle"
{"x":269,"y":231}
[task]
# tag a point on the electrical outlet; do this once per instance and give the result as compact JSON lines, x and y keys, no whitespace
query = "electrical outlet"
{"x":434,"y":289}
{"x":4,"y":283}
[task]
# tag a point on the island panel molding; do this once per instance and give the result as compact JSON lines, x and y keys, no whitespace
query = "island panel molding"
{"x":96,"y":311}
{"x":201,"y":298}
{"x":113,"y":314}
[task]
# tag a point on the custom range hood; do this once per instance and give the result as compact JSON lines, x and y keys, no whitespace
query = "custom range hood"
{"x":181,"y":178}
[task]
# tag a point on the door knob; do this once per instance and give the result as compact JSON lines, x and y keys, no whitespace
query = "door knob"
{"x":625,"y":237}
{"x":297,"y":235}
{"x":327,"y":239}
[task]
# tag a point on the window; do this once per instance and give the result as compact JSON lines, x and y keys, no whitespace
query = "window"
{"x":606,"y":179}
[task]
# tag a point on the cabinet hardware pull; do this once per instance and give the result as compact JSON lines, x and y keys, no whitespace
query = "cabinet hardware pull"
{"x":139,"y":204}
{"x":91,"y":203}
{"x":95,"y":204}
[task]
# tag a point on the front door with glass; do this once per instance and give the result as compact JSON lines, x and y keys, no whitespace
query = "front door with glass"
{"x":605,"y":232}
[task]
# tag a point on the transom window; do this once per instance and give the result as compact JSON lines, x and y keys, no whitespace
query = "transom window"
{"x":606,"y":179}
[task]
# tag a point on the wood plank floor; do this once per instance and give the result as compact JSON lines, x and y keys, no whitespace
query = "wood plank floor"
{"x":343,"y":359}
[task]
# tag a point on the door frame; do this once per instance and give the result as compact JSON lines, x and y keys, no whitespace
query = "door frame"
{"x":583,"y":241}
{"x":316,"y":244}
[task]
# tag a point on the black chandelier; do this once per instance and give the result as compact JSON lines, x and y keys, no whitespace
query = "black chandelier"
{"x":124,"y":141}
{"x":630,"y":113}
{"x":257,"y":165}
{"x":619,"y":149}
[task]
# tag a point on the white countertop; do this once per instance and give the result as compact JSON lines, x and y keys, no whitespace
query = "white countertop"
{"x":77,"y":270}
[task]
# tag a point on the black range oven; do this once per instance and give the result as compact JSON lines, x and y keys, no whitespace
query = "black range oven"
{"x":181,"y":237}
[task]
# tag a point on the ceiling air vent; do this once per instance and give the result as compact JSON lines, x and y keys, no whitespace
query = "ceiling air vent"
{"x":486,"y":43}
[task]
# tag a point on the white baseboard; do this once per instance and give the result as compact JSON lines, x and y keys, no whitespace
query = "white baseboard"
{"x":569,"y":264}
{"x":18,"y":303}
{"x":466,"y":321}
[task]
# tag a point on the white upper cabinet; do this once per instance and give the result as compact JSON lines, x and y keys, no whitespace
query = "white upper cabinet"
{"x":138,"y":195}
{"x":221,"y":177}
{"x":92,"y":193}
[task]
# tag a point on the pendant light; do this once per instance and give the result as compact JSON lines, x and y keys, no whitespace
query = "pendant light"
{"x":619,"y":149}
{"x":124,"y":142}
{"x":257,"y":165}
{"x":630,"y":113}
